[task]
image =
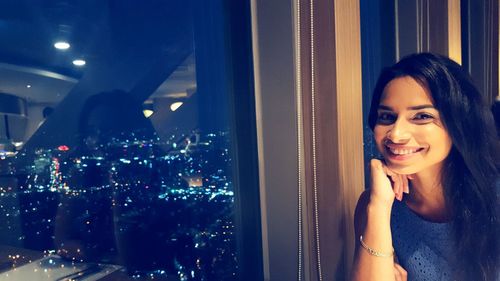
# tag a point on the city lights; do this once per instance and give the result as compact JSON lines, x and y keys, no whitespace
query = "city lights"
{"x":184,"y":195}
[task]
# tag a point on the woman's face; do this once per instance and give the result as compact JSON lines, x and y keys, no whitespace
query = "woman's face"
{"x":409,"y":132}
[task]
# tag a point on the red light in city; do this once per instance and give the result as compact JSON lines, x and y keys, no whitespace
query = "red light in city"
{"x":63,"y":148}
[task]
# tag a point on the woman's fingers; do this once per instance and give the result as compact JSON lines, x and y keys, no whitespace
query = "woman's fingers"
{"x":400,"y":273}
{"x":397,"y":186}
{"x":396,"y":183}
{"x":387,"y":185}
{"x":400,"y":183}
{"x":406,"y":180}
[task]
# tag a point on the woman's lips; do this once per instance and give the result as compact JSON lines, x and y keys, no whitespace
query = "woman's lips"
{"x":400,"y":152}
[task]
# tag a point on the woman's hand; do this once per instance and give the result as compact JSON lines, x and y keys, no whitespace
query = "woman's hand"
{"x":386,"y":185}
{"x":400,"y":273}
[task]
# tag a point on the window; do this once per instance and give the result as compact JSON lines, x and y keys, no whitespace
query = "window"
{"x":120,"y":138}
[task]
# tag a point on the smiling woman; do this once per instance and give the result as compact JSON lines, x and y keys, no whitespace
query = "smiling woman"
{"x":433,"y":196}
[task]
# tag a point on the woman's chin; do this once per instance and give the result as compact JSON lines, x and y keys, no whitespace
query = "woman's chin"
{"x":402,"y":170}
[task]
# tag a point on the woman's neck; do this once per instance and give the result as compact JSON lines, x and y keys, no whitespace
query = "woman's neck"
{"x":426,"y":196}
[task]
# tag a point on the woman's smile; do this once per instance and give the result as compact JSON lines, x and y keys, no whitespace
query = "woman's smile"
{"x":401,"y":153}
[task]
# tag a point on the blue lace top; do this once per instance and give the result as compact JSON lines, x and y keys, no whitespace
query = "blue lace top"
{"x":425,"y":249}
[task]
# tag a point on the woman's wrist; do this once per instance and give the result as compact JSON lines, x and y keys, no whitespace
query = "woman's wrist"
{"x":379,"y":210}
{"x":377,"y":233}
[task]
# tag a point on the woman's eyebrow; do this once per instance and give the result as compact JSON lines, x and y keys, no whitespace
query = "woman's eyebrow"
{"x":416,"y":107}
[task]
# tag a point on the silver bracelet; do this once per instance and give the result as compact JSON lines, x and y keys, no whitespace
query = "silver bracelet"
{"x":372,"y":251}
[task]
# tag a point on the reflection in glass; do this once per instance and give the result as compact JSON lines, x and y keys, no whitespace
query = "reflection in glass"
{"x":125,"y":160}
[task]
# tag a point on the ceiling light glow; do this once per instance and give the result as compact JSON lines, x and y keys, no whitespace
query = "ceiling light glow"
{"x":79,"y":62}
{"x":174,"y":106}
{"x":147,"y":112}
{"x":62,"y":45}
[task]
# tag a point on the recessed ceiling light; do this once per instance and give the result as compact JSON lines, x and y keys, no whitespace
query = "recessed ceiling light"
{"x":61,"y":45}
{"x":79,"y":62}
{"x":28,"y":86}
{"x":174,"y":106}
{"x":148,"y":112}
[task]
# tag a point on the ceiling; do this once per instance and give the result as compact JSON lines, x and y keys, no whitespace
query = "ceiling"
{"x":99,"y":32}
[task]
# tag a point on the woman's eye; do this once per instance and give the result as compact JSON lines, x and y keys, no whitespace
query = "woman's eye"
{"x":386,"y":118}
{"x":423,"y":117}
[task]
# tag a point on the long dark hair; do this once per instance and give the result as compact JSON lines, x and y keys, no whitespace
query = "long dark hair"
{"x":470,"y":172}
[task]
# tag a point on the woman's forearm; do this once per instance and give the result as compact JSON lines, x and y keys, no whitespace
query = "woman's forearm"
{"x":377,"y":237}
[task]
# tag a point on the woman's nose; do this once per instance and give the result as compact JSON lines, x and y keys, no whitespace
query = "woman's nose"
{"x":399,"y":132}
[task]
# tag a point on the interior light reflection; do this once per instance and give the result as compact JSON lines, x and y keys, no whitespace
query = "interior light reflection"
{"x":147,"y":112}
{"x":174,"y":106}
{"x":79,"y":62}
{"x":61,"y":45}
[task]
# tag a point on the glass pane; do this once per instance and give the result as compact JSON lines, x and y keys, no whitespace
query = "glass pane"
{"x":115,"y":143}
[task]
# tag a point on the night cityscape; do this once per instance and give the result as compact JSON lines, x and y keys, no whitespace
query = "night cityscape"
{"x":162,"y":207}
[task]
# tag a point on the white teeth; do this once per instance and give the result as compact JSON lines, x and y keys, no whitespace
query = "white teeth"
{"x":399,"y":151}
